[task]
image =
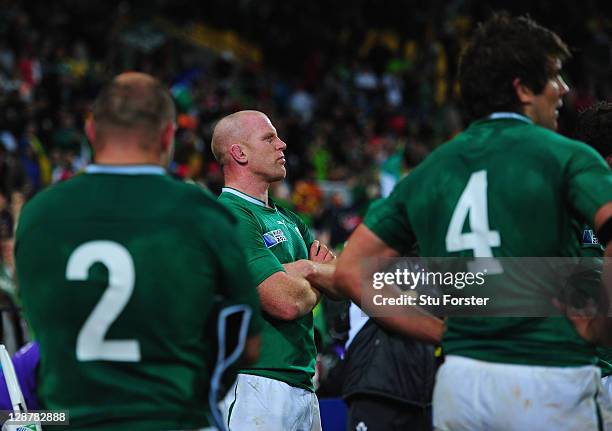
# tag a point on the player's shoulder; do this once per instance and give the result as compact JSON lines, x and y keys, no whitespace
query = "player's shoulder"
{"x":249,"y":220}
{"x":236,"y":206}
{"x":524,"y":139}
{"x":54,"y":201}
{"x":566,"y":151}
{"x":543,"y":136}
{"x":289,"y":213}
{"x":539,"y":137}
{"x":52,"y":197}
{"x":175,"y":198}
{"x":198,"y":200}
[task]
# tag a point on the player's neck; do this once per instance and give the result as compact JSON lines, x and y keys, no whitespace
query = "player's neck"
{"x":124,"y":156}
{"x":255,"y":189}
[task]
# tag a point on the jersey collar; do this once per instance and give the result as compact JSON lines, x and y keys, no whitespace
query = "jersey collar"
{"x":244,"y":196}
{"x":125,"y":170}
{"x":508,"y":116}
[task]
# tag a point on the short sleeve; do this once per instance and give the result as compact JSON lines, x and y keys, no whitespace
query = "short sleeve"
{"x":589,"y":182}
{"x":388,"y":220}
{"x":260,"y":260}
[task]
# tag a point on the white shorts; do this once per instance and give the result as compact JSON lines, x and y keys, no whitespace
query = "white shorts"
{"x":606,"y":382}
{"x":257,"y":403}
{"x":476,"y":395}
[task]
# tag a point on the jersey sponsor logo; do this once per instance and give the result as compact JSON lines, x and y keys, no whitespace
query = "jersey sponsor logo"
{"x":589,"y":239}
{"x":274,"y":237}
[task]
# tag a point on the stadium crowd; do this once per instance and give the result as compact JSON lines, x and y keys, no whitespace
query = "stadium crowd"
{"x":356,"y":110}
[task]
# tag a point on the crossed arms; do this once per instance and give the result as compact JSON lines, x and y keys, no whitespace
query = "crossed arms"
{"x":292,"y":294}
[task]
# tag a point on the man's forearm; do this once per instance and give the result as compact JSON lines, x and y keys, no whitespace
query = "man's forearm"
{"x":305,"y":293}
{"x":306,"y":297}
{"x":411,"y":321}
{"x":289,"y":295}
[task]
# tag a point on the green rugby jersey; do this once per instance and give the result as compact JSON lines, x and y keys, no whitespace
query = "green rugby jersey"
{"x":269,"y":238}
{"x":504,"y":187}
{"x":122,"y":271}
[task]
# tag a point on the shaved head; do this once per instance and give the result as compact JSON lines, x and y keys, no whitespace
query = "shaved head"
{"x":233,"y":129}
{"x":135,"y":78}
{"x":133,"y":101}
{"x":249,"y":150}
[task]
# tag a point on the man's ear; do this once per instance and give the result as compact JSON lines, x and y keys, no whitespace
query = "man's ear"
{"x":238,"y":154}
{"x":524,"y":93}
{"x":167,"y":136}
{"x":90,"y":130}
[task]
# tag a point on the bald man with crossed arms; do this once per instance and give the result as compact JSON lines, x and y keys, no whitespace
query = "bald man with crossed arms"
{"x":291,"y":270}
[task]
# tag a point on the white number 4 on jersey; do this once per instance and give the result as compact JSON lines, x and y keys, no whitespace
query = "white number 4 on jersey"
{"x":480,"y":239}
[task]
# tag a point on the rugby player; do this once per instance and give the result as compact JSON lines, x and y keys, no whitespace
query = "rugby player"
{"x":506,"y":186}
{"x":123,"y":272}
{"x":290,"y":268}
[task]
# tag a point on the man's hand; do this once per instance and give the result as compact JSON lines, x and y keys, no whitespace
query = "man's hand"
{"x":324,"y":264}
{"x":587,"y":320}
{"x":320,"y":253}
{"x":593,"y":329}
{"x":300,"y":268}
{"x":289,"y":295}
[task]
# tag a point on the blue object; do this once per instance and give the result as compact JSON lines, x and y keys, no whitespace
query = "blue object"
{"x":25,"y":362}
{"x":333,"y":414}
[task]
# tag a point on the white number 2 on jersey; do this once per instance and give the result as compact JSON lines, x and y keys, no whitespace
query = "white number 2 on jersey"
{"x":480,"y":239}
{"x":91,"y":345}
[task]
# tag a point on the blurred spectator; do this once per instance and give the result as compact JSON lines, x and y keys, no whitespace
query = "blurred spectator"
{"x":63,"y":167}
{"x":302,"y":104}
{"x":12,"y":175}
{"x":338,"y":220}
